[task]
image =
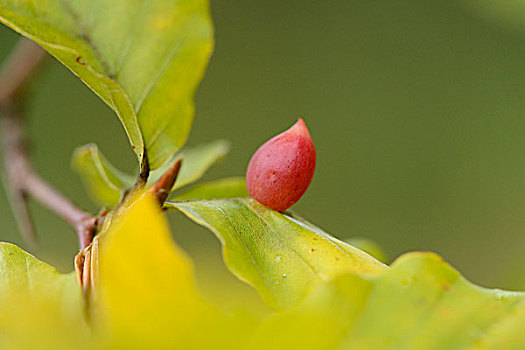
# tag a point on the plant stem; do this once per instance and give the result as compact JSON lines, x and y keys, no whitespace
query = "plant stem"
{"x":21,"y":180}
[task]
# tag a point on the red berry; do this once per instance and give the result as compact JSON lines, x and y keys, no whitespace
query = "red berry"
{"x":281,"y":170}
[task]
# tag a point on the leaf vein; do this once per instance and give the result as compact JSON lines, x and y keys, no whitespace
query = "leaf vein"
{"x":250,"y":253}
{"x":249,"y":206}
{"x":87,"y":37}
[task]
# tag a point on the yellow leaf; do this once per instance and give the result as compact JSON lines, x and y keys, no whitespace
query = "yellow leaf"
{"x":148,"y":295}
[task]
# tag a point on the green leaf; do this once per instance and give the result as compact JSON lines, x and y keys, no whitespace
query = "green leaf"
{"x":230,"y":187}
{"x":281,"y":256}
{"x":103,"y":181}
{"x":143,"y":58}
{"x":196,"y":160}
{"x":106,"y":184}
{"x":22,"y":273}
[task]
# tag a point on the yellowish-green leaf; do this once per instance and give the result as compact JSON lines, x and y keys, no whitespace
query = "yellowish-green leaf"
{"x":103,"y":181}
{"x":506,"y":333}
{"x":230,"y":187}
{"x":40,"y":307}
{"x":143,"y":58}
{"x":281,"y":256}
{"x":196,"y":160}
{"x":22,"y":273}
{"x":422,"y":303}
{"x":320,"y":321}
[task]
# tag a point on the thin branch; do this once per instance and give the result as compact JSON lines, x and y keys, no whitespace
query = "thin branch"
{"x":18,"y":68}
{"x":21,"y":180}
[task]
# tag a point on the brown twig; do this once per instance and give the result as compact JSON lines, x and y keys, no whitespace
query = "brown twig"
{"x":21,"y":180}
{"x":162,"y":188}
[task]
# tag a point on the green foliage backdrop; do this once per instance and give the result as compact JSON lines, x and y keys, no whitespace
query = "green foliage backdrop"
{"x":416,"y":109}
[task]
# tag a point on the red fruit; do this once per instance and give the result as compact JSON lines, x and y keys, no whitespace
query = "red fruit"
{"x":281,"y":170}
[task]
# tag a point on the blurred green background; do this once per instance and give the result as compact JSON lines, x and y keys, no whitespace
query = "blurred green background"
{"x":416,"y":107}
